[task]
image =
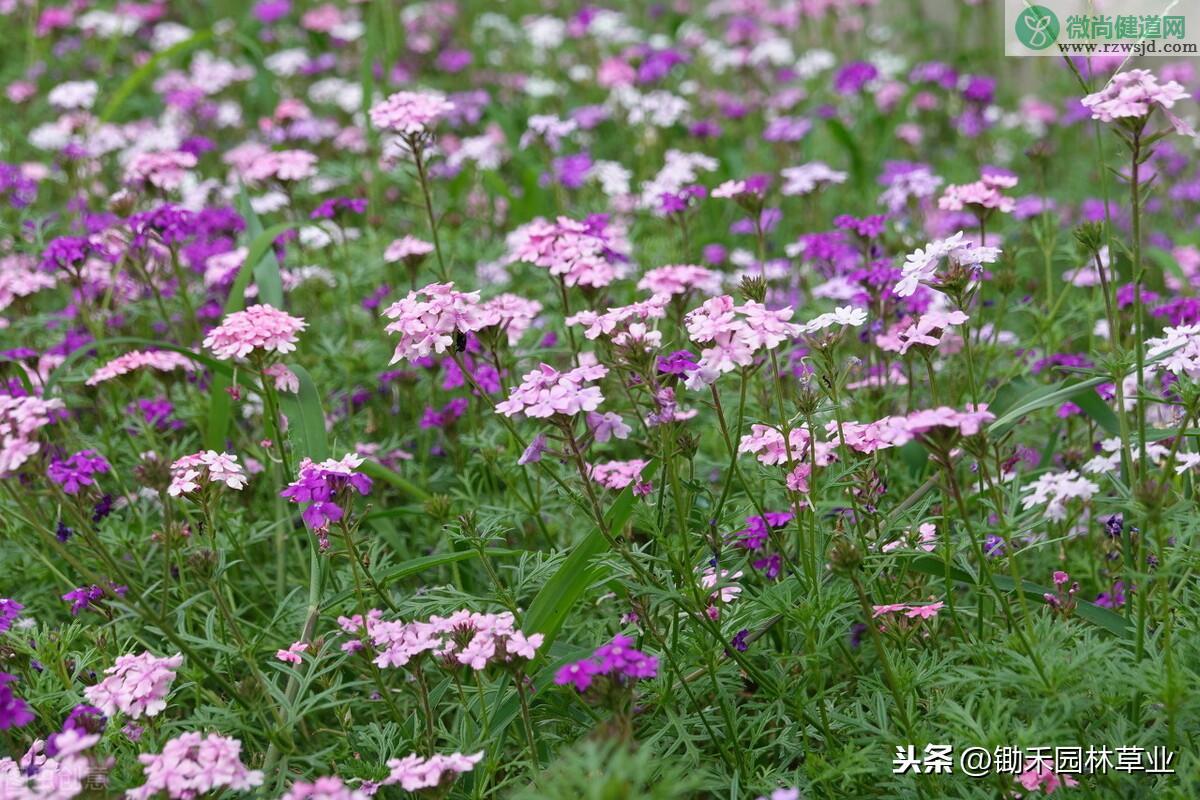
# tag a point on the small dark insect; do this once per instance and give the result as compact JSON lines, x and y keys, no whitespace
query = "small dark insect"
{"x":460,"y":341}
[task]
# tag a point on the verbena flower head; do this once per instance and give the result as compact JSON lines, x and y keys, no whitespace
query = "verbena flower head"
{"x":808,"y":178}
{"x":409,"y":248}
{"x":260,"y":330}
{"x":429,"y":320}
{"x":616,"y":474}
{"x":414,"y":772}
{"x":193,"y":472}
{"x":82,"y":598}
{"x":285,"y":166}
{"x":626,"y":325}
{"x":618,"y":660}
{"x":680,"y":279}
{"x":160,"y":360}
{"x":984,"y":195}
{"x":929,"y":331}
{"x":77,"y":471}
{"x":410,"y":113}
{"x":734,"y":334}
{"x":465,"y":638}
{"x":591,"y":253}
{"x":921,"y":266}
{"x":20,"y":419}
{"x":325,"y":486}
{"x":896,"y":431}
{"x":137,"y":685}
{"x":1132,"y":95}
{"x":9,"y":611}
{"x":194,"y":764}
{"x":14,"y":712}
{"x":545,"y":392}
{"x":327,"y":788}
{"x":1055,"y":489}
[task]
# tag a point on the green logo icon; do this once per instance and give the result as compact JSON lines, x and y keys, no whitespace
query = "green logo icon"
{"x":1037,"y":27}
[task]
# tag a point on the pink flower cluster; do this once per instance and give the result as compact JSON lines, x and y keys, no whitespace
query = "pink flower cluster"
{"x":909,"y":610}
{"x":618,"y":659}
{"x":192,"y":764}
{"x":766,"y":444}
{"x":41,"y":776}
{"x":20,"y":277}
{"x":809,"y":177}
{"x":410,"y":113}
{"x":191,"y":472}
{"x":616,"y":474}
{"x":545,"y":392}
{"x":929,"y":330}
{"x":985,"y":193}
{"x":137,"y":685}
{"x":428,"y":319}
{"x":512,"y":313}
{"x":680,"y":279}
{"x":469,"y":638}
{"x":20,"y":419}
{"x":899,"y":430}
{"x":260,"y":328}
{"x":1132,"y":94}
{"x":592,"y":253}
{"x":281,"y":165}
{"x":162,"y":170}
{"x":161,"y":360}
{"x":414,"y":772}
{"x":630,"y":320}
{"x":735,"y":333}
{"x":327,"y":788}
{"x":410,"y":247}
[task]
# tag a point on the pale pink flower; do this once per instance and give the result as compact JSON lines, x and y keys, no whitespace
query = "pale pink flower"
{"x":414,"y":772}
{"x":259,"y":329}
{"x":985,"y":193}
{"x":929,"y":330}
{"x":160,"y":360}
{"x":545,"y":392}
{"x":163,"y":170}
{"x":513,"y":313}
{"x":327,"y":788}
{"x":921,"y":265}
{"x":409,"y":247}
{"x":410,"y":113}
{"x":73,"y":95}
{"x":137,"y":685}
{"x":190,"y":473}
{"x":1055,"y":489}
{"x":429,"y":319}
{"x":677,"y":279}
{"x":281,"y":165}
{"x":616,"y":474}
{"x":1132,"y":94}
{"x":20,"y":419}
{"x":809,"y":177}
{"x":291,"y":655}
{"x":285,"y":380}
{"x":591,"y":253}
{"x":734,"y":334}
{"x":191,"y":765}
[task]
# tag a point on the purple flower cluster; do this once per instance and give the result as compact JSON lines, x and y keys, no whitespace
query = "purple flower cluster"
{"x":9,"y":611}
{"x":77,"y":471}
{"x":618,"y":660}
{"x":84,"y":597}
{"x":322,"y":485}
{"x":14,"y":712}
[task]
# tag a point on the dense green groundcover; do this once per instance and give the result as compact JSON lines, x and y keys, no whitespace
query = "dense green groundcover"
{"x":487,"y":324}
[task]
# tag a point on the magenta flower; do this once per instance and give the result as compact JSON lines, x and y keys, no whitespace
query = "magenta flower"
{"x":77,"y":471}
{"x":14,"y":712}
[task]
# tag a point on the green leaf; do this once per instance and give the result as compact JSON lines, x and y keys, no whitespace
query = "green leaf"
{"x":846,"y":139}
{"x":1043,"y":398}
{"x":377,"y":471}
{"x":147,"y":70}
{"x":262,"y":261}
{"x":416,"y":566}
{"x":558,"y":596}
{"x":1099,"y":616}
{"x":306,"y":417}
